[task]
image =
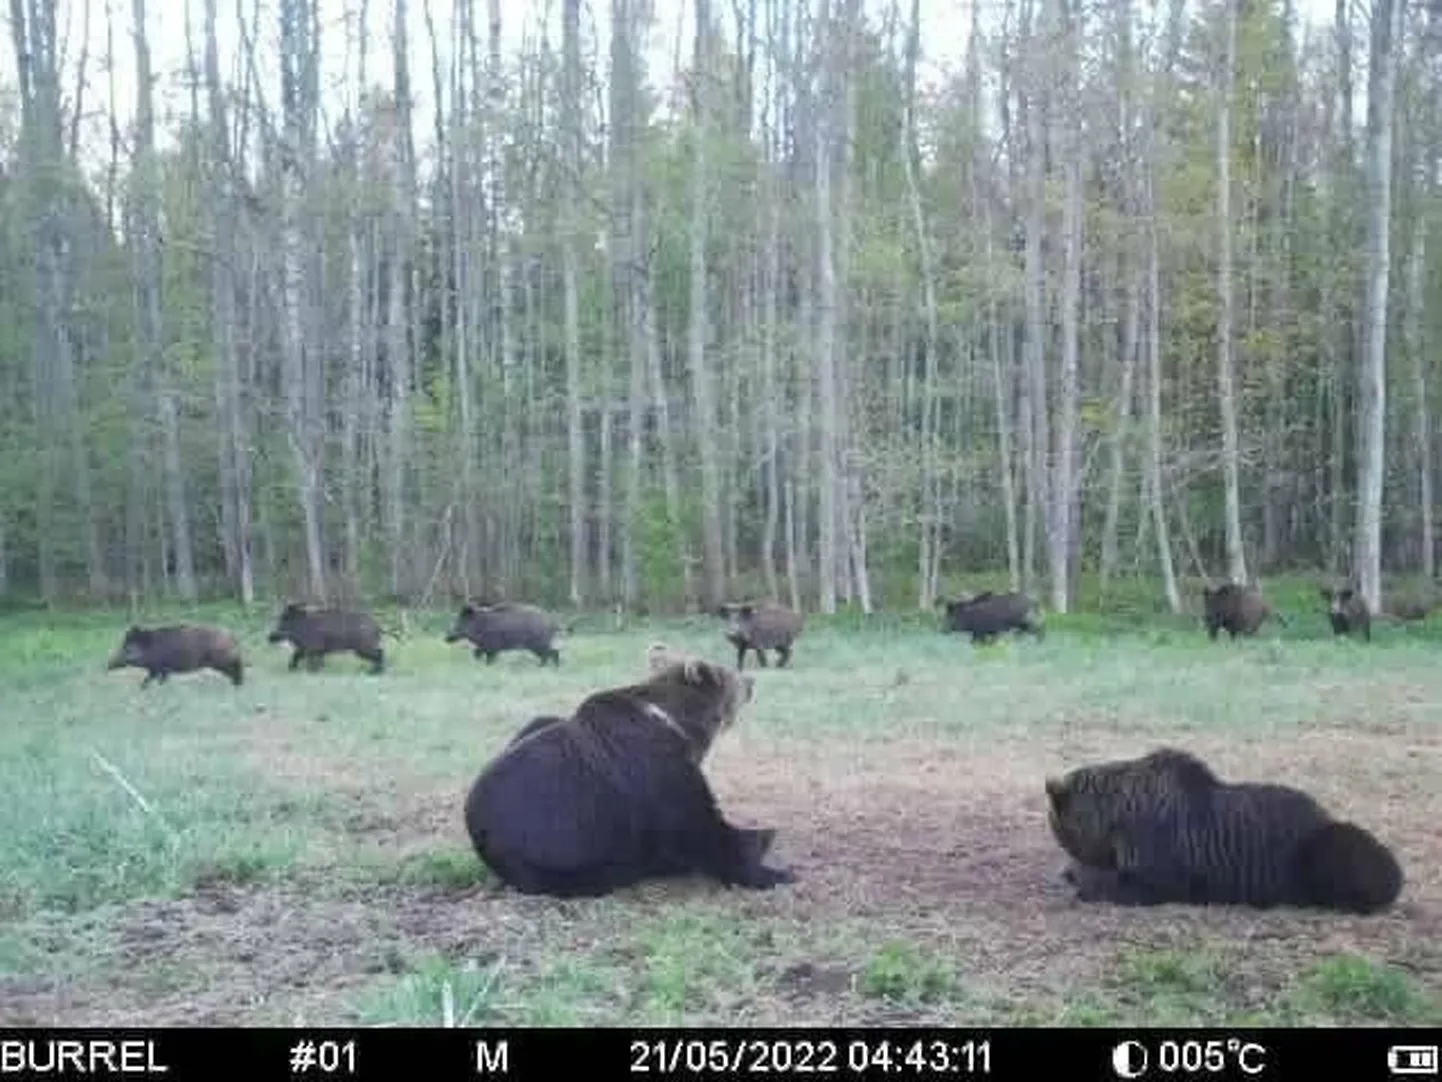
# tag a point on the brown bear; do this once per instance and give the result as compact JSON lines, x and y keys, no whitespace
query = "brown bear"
{"x":535,"y":725}
{"x":1164,"y":828}
{"x":614,"y":794}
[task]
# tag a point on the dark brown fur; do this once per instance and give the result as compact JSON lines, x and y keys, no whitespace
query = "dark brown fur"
{"x":762,"y":626}
{"x":614,"y":794}
{"x":988,"y":615}
{"x":535,"y":725}
{"x":1348,"y":612}
{"x":179,"y":648}
{"x":1236,"y":609}
{"x":1164,"y":828}
{"x":316,"y":632}
{"x":494,"y":629}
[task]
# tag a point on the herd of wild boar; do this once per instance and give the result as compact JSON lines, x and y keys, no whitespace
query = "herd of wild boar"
{"x":614,"y":793}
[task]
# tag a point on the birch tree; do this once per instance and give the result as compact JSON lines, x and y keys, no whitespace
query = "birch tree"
{"x":1372,"y":375}
{"x":1226,"y":378}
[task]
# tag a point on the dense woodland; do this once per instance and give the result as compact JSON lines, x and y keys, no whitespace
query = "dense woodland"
{"x":1137,"y":290}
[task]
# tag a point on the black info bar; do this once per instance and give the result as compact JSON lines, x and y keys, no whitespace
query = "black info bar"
{"x":551,"y":1055}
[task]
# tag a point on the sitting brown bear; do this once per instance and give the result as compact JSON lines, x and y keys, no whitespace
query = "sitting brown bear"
{"x":614,"y":794}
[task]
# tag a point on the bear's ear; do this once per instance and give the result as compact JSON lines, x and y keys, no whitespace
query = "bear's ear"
{"x":661,"y":658}
{"x":658,"y":657}
{"x":1056,"y":792}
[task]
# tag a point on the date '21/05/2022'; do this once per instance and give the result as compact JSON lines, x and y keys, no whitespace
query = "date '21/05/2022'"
{"x":825,"y":1056}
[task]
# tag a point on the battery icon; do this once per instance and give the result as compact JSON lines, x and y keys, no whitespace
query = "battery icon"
{"x":1412,"y":1059}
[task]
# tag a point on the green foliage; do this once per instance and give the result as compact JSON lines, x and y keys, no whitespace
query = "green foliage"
{"x":436,"y":992}
{"x":82,"y":460}
{"x":899,"y":972}
{"x":660,"y":542}
{"x":1355,"y":989}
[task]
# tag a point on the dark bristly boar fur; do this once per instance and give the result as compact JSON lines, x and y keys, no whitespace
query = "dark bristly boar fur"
{"x":1348,"y":612}
{"x":1164,"y":828}
{"x":614,"y":794}
{"x":316,"y":632}
{"x":494,"y":629}
{"x":759,"y":626}
{"x":179,"y":648}
{"x":988,"y":615}
{"x":1236,"y":609}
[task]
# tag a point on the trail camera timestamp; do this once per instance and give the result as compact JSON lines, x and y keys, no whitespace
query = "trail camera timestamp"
{"x":823,"y":1056}
{"x":927,"y":1057}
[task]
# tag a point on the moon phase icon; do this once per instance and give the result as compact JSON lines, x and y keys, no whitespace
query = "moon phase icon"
{"x":1129,"y":1059}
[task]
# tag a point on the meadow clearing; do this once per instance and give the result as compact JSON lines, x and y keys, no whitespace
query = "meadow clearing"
{"x":292,"y":852}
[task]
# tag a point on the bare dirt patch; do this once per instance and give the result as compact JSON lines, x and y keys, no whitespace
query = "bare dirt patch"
{"x":940,"y":843}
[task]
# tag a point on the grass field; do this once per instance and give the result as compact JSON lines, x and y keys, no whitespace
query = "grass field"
{"x":291,"y":851}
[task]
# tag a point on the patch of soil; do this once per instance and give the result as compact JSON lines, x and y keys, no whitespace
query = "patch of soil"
{"x":808,"y":981}
{"x":944,"y":843}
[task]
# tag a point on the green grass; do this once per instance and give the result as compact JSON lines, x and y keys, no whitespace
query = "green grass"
{"x":293,"y":847}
